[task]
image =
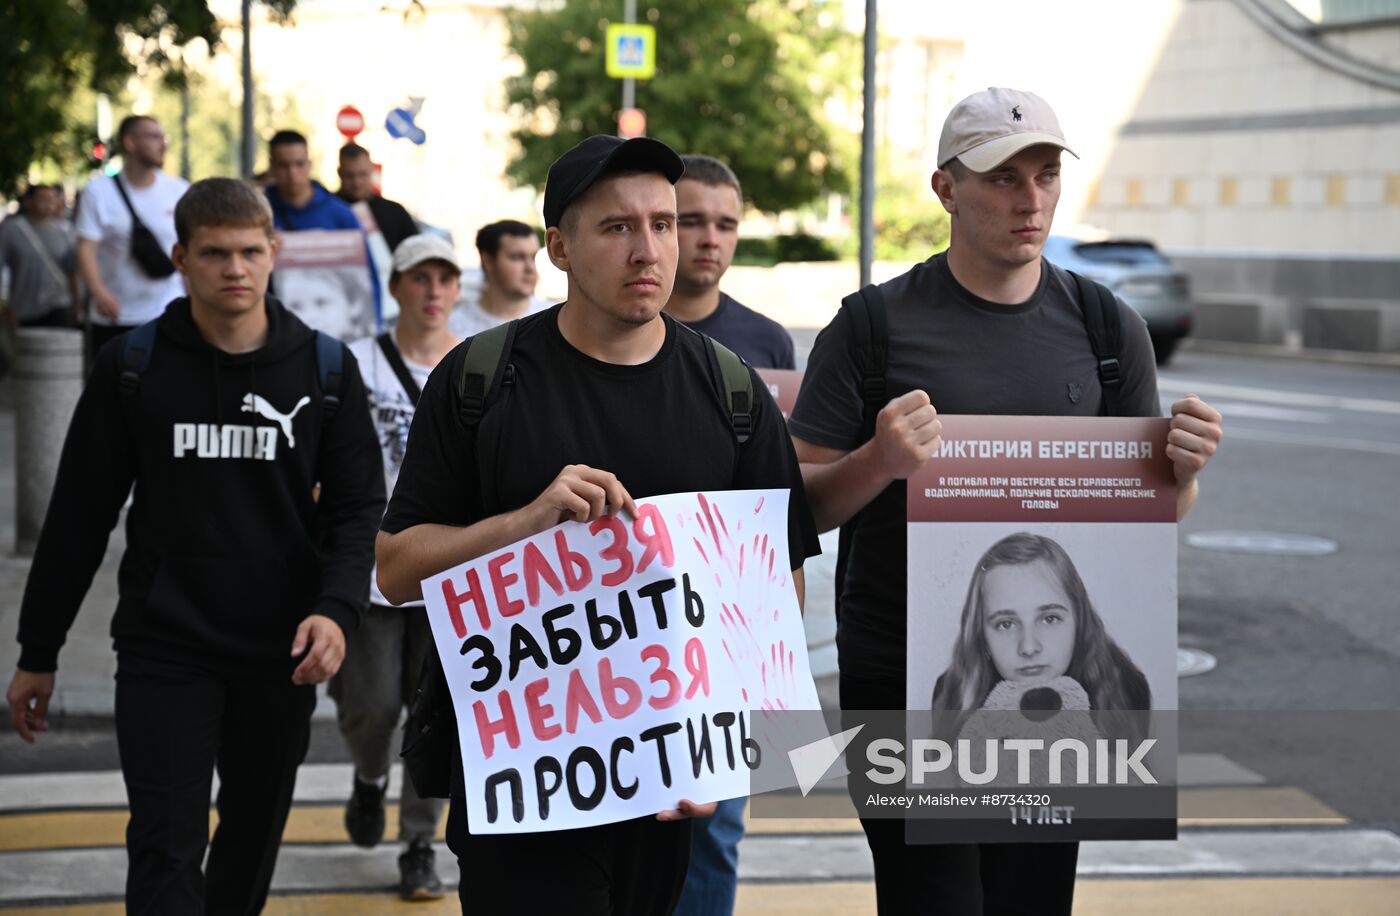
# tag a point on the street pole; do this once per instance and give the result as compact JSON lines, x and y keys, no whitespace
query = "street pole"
{"x":867,"y":147}
{"x":249,"y":150}
{"x":185,"y":126}
{"x":629,"y":85}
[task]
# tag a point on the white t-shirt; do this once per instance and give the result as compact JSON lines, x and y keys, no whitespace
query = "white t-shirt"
{"x":392,"y":411}
{"x":468,"y":318}
{"x":104,"y":219}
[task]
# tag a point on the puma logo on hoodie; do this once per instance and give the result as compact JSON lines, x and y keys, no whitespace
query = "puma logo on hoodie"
{"x":228,"y":440}
{"x":253,"y":403}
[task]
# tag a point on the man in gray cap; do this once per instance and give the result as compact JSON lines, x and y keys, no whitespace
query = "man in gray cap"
{"x":987,"y":327}
{"x":608,"y":399}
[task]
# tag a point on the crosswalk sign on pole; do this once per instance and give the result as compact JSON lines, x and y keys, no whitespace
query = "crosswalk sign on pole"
{"x":631,"y":51}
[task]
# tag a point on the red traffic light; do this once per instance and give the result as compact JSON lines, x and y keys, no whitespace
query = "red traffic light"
{"x":631,"y":122}
{"x":99,"y":151}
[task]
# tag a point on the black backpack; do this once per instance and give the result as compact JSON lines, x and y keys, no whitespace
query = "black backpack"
{"x":870,"y":329}
{"x":431,"y":727}
{"x":140,"y":342}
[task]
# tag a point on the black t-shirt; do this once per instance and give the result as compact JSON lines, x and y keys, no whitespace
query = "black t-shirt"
{"x":761,"y":341}
{"x":393,"y":220}
{"x":972,"y":357}
{"x":661,"y":427}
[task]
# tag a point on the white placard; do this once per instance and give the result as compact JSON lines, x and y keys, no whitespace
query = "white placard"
{"x":606,"y":671}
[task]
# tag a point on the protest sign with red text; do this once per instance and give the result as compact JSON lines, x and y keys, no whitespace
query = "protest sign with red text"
{"x":606,"y":671}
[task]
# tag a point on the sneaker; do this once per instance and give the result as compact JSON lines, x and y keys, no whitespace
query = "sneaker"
{"x":364,"y":813}
{"x":418,"y":879}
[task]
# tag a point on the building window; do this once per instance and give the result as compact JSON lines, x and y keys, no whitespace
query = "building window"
{"x":1392,"y":190}
{"x":1336,"y":190}
{"x":1229,"y":192}
{"x":1280,"y":192}
{"x":1181,"y":192}
{"x":1134,"y":192}
{"x":1091,"y":199}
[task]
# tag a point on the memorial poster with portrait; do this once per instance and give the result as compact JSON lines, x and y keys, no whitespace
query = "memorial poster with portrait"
{"x":1042,"y":624}
{"x":325,"y":278}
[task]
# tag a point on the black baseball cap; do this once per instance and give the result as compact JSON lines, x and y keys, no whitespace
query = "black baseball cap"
{"x":580,"y":168}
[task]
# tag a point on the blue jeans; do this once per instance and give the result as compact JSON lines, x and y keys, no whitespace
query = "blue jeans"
{"x":713,"y":879}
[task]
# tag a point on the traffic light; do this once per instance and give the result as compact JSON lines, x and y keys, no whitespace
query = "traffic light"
{"x":98,"y":157}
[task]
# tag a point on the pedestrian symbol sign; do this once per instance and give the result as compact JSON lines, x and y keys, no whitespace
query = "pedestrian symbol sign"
{"x":631,"y":51}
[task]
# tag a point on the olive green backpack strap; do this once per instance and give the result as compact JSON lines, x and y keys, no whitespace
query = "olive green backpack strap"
{"x":485,"y":367}
{"x":738,"y":389}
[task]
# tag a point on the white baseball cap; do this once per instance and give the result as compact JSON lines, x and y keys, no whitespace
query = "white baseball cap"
{"x":989,"y":127}
{"x":416,"y":249}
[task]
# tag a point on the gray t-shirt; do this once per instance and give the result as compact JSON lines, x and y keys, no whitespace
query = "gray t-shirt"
{"x":35,"y":284}
{"x":972,"y":357}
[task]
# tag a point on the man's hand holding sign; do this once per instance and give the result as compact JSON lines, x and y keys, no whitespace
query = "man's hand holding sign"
{"x":607,"y":667}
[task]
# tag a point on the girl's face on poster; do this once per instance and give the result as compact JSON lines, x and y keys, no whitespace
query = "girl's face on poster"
{"x":1027,"y":621}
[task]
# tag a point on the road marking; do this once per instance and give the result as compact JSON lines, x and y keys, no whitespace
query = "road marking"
{"x":1125,"y":897}
{"x":1243,"y":410}
{"x":1274,"y":396}
{"x":1369,"y":446}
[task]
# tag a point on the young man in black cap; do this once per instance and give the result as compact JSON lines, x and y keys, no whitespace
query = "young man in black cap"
{"x":989,"y":327}
{"x":624,"y":400}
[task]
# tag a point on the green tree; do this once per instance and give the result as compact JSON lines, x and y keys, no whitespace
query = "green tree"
{"x":53,"y":50}
{"x":746,"y":82}
{"x":910,"y":223}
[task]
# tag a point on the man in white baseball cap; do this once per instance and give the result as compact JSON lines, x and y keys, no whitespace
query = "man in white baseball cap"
{"x":384,"y":655}
{"x":987,"y":327}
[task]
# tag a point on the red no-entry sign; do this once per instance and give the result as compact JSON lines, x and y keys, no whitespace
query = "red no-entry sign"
{"x":349,"y":121}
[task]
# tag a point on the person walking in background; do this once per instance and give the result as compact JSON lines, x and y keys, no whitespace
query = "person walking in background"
{"x":711,"y":203}
{"x":126,"y":230}
{"x":328,"y":299}
{"x":299,"y":201}
{"x":38,"y":260}
{"x":507,"y":248}
{"x":384,"y":657}
{"x":357,"y":186}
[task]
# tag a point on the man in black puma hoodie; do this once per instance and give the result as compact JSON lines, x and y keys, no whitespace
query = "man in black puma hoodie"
{"x":237,"y":586}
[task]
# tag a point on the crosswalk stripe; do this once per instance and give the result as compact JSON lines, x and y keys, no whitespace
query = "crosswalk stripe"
{"x":330,"y":782}
{"x":98,"y":874}
{"x":1236,"y":896}
{"x":1257,"y":806}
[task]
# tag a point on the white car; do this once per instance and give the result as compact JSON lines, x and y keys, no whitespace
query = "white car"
{"x":1140,"y":275}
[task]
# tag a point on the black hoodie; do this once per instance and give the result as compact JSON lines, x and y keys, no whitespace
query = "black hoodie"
{"x":227,"y":548}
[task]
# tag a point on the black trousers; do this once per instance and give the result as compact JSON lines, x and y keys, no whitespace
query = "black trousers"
{"x":969,"y":879}
{"x":634,"y":868}
{"x":177,"y":723}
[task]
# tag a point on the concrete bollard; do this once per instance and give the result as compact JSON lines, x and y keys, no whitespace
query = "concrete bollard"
{"x":48,"y":379}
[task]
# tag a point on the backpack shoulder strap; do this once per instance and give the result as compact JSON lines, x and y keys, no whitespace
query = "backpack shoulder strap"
{"x":329,"y":363}
{"x":394,"y":358}
{"x":1102,"y":323}
{"x":870,"y":327}
{"x":136,"y":355}
{"x":486,"y":363}
{"x":738,"y":389}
